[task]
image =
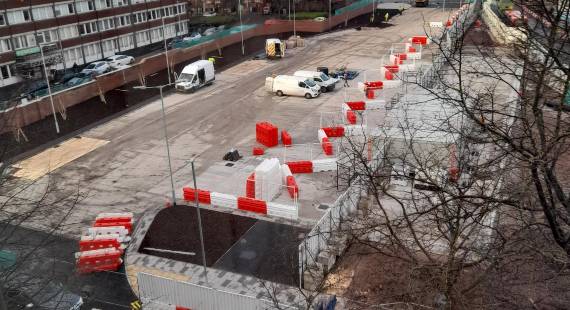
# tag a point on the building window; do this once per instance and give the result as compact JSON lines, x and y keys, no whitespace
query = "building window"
{"x":2,"y":20}
{"x":6,"y":72}
{"x":26,"y":15}
{"x":70,"y":8}
{"x":123,"y":21}
{"x":87,"y":28}
{"x":20,"y":42}
{"x":40,"y":13}
{"x":91,"y":5}
{"x":5,"y":45}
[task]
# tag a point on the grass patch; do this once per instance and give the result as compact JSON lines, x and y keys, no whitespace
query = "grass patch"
{"x":213,"y":20}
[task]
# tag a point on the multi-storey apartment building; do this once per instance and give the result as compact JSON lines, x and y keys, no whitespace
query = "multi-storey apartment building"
{"x":80,"y":31}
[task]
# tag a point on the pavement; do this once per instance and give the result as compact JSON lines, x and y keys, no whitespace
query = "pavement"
{"x":128,"y":171}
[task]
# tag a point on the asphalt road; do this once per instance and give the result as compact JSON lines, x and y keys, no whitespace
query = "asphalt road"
{"x":49,"y":259}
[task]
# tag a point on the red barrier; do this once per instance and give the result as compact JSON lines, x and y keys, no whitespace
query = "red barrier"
{"x":373,"y":85}
{"x":252,"y":205}
{"x":411,"y":49}
{"x":402,"y":56}
{"x":292,"y":187}
{"x":181,"y":308}
{"x":356,"y":105}
{"x":258,"y":151}
{"x":448,"y":23}
{"x":334,"y":132}
{"x":111,"y":266}
{"x":250,"y":186}
{"x":370,"y":94}
{"x":286,"y":138}
{"x":98,"y":260}
{"x":393,"y":69}
{"x":118,"y":219}
{"x":266,"y":134}
{"x":351,"y":117}
{"x":327,"y":146}
{"x":388,"y":75}
{"x":422,"y":40}
{"x":203,"y":196}
{"x":398,"y":61}
{"x":304,"y":166}
{"x":127,"y":225}
{"x":88,"y":245}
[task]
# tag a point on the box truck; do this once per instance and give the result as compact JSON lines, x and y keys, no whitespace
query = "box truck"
{"x":292,"y":86}
{"x":274,"y":48}
{"x":195,"y":75}
{"x":325,"y":82}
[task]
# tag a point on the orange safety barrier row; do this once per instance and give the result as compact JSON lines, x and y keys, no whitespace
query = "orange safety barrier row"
{"x":303,"y":166}
{"x":250,"y":186}
{"x":252,"y":205}
{"x":334,"y":132}
{"x":327,"y":146}
{"x":286,"y":138}
{"x":266,"y":134}
{"x":292,"y":187}
{"x":258,"y":151}
{"x":351,"y":117}
{"x":356,"y":105}
{"x":203,"y":196}
{"x":128,"y":226}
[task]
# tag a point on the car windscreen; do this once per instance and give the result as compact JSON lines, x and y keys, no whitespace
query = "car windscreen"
{"x":310,"y":83}
{"x":324,"y":77}
{"x":91,"y":66}
{"x":185,"y":77}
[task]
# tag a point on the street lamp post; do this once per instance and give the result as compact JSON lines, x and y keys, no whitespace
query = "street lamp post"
{"x":165,"y":135}
{"x":48,"y":86}
{"x":294,"y":26}
{"x":241,"y":28}
{"x":166,"y":52}
{"x":197,"y":202}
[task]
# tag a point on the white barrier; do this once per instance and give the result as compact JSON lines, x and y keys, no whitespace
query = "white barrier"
{"x":322,"y":135}
{"x":285,"y":172}
{"x":223,"y":200}
{"x":98,"y":252}
{"x":282,"y":210}
{"x":327,"y":164}
{"x":114,"y":215}
{"x":105,"y":231}
{"x":267,"y":174}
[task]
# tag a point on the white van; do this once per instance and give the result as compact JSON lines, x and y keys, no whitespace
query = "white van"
{"x":195,"y":75}
{"x":326,"y":82}
{"x":292,"y":86}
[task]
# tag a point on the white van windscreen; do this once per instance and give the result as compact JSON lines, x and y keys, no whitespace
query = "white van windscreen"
{"x":310,"y":83}
{"x":324,"y":77}
{"x":185,"y":77}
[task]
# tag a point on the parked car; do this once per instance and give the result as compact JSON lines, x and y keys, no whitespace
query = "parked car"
{"x":193,"y":36}
{"x":210,"y":31}
{"x":196,"y":75}
{"x":119,"y":60}
{"x":292,"y":86}
{"x":80,"y":78}
{"x":97,"y":67}
{"x":209,"y":14}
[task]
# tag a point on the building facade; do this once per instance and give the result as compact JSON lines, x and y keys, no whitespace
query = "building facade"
{"x":71,"y":32}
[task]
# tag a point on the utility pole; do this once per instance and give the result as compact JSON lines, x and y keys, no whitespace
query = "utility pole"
{"x":49,"y":87}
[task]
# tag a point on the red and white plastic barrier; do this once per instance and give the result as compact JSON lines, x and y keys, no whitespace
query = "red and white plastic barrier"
{"x":88,"y":244}
{"x":413,"y":52}
{"x":420,"y":40}
{"x":190,"y":195}
{"x":224,"y":200}
{"x":302,"y":166}
{"x":113,"y":230}
{"x":286,"y":138}
{"x":250,"y":186}
{"x":256,"y":151}
{"x":326,"y":164}
{"x":266,"y":134}
{"x":268,"y":179}
{"x":115,"y":217}
{"x":127,"y":225}
{"x":282,"y":210}
{"x":252,"y":205}
{"x":98,"y":260}
{"x":333,"y":132}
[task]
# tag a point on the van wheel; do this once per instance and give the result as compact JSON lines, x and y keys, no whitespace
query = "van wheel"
{"x":279,"y":93}
{"x":323,"y":89}
{"x":308,"y":96}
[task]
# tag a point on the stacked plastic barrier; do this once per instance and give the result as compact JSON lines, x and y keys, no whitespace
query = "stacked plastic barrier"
{"x":268,"y":179}
{"x":326,"y":164}
{"x":108,"y":259}
{"x":356,"y":105}
{"x":333,"y":132}
{"x":413,"y":52}
{"x":420,"y":40}
{"x":286,"y":138}
{"x":351,"y":117}
{"x":266,"y":134}
{"x":250,"y":186}
{"x":100,"y":249}
{"x":292,"y":187}
{"x":190,"y":195}
{"x":325,"y":142}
